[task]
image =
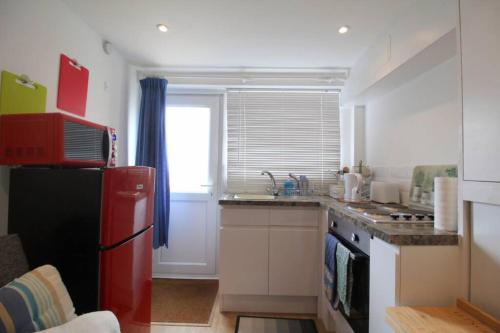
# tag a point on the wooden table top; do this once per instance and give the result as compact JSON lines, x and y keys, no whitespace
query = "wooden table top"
{"x":464,"y":318}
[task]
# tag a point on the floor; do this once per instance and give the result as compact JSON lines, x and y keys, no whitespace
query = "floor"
{"x":183,"y":298}
{"x":183,"y":301}
{"x":223,"y":323}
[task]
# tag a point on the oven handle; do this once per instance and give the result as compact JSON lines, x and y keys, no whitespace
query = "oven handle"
{"x":355,"y":238}
{"x":354,"y":255}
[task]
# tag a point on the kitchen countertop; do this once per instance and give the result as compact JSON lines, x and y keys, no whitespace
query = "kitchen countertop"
{"x":396,"y":234}
{"x":299,"y":201}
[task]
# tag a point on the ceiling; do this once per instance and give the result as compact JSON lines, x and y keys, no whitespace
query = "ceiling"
{"x":240,"y":33}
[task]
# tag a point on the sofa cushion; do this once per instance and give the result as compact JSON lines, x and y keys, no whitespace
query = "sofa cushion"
{"x":99,"y":321}
{"x":37,"y":300}
{"x":12,"y":259}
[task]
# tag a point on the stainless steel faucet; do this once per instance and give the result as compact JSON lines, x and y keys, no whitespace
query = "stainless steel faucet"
{"x":274,"y":190}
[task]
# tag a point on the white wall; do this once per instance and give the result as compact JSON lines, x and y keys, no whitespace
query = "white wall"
{"x":32,"y":36}
{"x":408,"y":81}
{"x":345,"y":134}
{"x":417,"y":123}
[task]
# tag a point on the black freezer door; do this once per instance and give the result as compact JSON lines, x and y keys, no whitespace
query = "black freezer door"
{"x":56,"y":213}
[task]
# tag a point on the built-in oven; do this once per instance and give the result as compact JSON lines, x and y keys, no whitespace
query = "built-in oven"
{"x":357,"y":241}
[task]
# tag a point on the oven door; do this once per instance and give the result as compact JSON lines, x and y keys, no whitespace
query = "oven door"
{"x":357,"y":241}
{"x":361,"y":281}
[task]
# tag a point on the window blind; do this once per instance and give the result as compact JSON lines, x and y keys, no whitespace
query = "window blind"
{"x":282,"y":132}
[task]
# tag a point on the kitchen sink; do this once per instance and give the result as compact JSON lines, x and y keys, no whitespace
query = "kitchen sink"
{"x":245,"y":196}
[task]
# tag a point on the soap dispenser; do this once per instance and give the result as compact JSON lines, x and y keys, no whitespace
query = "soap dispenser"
{"x":289,"y":187}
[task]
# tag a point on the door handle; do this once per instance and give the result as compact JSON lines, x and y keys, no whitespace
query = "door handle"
{"x":208,"y":185}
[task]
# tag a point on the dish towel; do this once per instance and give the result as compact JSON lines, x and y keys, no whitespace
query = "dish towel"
{"x":330,"y":275}
{"x":344,"y":277}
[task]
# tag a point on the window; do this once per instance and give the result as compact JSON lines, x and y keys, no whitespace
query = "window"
{"x":188,"y":146}
{"x":281,"y":131}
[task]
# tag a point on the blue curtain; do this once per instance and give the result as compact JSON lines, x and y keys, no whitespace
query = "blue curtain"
{"x":152,"y":151}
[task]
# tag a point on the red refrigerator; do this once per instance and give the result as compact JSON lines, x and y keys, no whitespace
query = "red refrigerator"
{"x":95,"y":227}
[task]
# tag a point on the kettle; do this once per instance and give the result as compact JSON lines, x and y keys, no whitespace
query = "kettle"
{"x":352,"y":186}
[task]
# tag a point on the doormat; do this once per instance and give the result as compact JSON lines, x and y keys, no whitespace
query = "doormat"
{"x":183,"y":302}
{"x":246,"y":324}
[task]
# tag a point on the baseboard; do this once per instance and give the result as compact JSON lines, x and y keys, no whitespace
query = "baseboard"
{"x":269,"y":304}
{"x":184,"y":276}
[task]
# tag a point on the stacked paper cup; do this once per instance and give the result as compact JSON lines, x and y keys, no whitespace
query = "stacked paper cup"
{"x":445,"y":203}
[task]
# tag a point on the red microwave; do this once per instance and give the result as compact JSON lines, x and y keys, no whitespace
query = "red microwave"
{"x":55,"y":139}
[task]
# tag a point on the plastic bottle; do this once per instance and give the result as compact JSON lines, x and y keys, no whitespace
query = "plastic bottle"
{"x":304,"y":185}
{"x":289,"y":187}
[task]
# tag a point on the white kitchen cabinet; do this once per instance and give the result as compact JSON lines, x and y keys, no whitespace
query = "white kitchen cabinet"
{"x":291,"y":216}
{"x":411,"y":276}
{"x":485,"y":258}
{"x":269,"y":259}
{"x":293,"y":261}
{"x":293,"y":251}
{"x":244,"y":260}
{"x":244,"y":251}
{"x":480,"y":49}
{"x":384,"y":289}
{"x":245,"y":216}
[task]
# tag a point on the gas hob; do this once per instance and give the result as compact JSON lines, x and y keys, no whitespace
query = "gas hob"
{"x":391,"y":213}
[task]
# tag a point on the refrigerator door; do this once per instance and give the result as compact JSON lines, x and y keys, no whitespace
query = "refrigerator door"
{"x":127,"y":203}
{"x":126,"y":278}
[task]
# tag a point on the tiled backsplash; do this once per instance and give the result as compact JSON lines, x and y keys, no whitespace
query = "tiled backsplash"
{"x":400,"y":175}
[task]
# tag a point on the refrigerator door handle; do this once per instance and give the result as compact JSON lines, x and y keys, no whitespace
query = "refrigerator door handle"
{"x":106,"y":248}
{"x":131,"y":194}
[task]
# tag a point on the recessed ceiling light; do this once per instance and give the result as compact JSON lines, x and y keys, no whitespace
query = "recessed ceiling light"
{"x":162,"y":27}
{"x":343,"y":29}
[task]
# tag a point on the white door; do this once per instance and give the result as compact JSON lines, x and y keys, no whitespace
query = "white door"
{"x":192,"y":124}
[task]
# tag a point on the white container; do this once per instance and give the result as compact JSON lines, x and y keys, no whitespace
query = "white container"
{"x":384,"y":192}
{"x":355,"y":195}
{"x":445,"y":203}
{"x":352,"y":182}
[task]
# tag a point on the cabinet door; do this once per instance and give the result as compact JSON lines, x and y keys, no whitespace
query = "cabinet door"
{"x":485,"y":258}
{"x":479,"y":26}
{"x":293,"y":217}
{"x":293,"y":262}
{"x":384,"y":283}
{"x":244,"y":260}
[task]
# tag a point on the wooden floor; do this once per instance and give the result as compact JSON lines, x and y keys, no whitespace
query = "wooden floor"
{"x":223,"y":323}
